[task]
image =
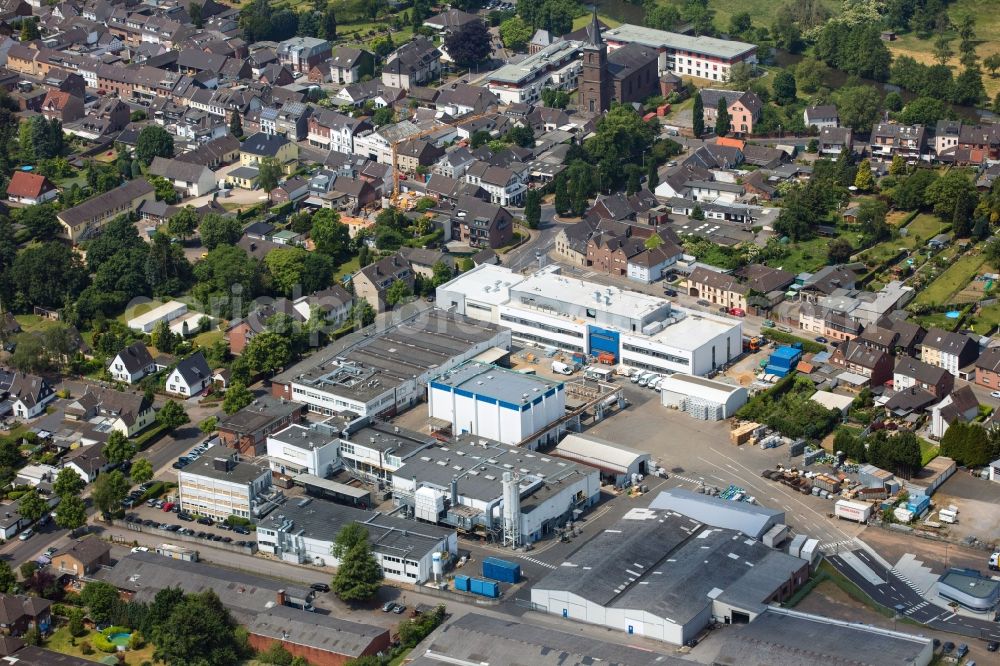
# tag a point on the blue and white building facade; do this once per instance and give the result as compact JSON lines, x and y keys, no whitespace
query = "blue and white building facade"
{"x":503,"y":405}
{"x":549,"y":310}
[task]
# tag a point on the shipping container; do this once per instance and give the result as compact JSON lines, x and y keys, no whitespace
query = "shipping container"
{"x":795,"y":547}
{"x":502,"y":570}
{"x":462,"y":583}
{"x":859,"y":512}
{"x":486,"y":588}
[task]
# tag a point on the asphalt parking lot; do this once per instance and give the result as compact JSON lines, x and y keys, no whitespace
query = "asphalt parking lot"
{"x":154,"y":517}
{"x":695,"y":452}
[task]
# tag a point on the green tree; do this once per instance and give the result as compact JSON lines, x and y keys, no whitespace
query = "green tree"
{"x":839,"y":251}
{"x":153,"y":141}
{"x":108,"y":492}
{"x":698,"y":116}
{"x":237,"y":397}
{"x":898,"y":166}
{"x":810,"y":75}
{"x":992,"y":63}
{"x":67,"y":483}
{"x":172,"y":415}
{"x":142,"y":471}
{"x":72,"y":512}
{"x":118,"y":449}
{"x":516,"y":34}
{"x":562,"y":202}
{"x":469,"y":44}
{"x":396,"y":292}
{"x":198,"y":632}
{"x":164,"y":190}
{"x":358,"y":576}
{"x":236,"y":124}
{"x":8,"y":579}
{"x":268,"y":173}
{"x":32,"y":506}
{"x":330,"y":23}
{"x":942,"y":49}
{"x":76,"y":626}
{"x":533,"y":209}
{"x":183,"y":223}
{"x":442,"y":272}
{"x":661,"y":16}
{"x":163,"y":338}
{"x":100,"y":598}
{"x":208,"y":425}
{"x":29,"y":30}
{"x":722,"y":119}
{"x":267,"y":352}
{"x":216,"y":230}
{"x":293,"y":268}
{"x":924,"y":111}
{"x":40,"y":221}
{"x":652,"y":176}
{"x":945,"y":193}
{"x":47,"y":274}
{"x":330,"y":235}
{"x":864,"y":180}
{"x":785,"y":91}
{"x":522,"y":135}
{"x":859,"y":107}
{"x":969,"y":89}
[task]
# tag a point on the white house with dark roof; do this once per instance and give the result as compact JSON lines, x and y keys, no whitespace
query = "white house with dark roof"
{"x":193,"y":180}
{"x":29,"y":395}
{"x":190,"y":377}
{"x":132,"y":364}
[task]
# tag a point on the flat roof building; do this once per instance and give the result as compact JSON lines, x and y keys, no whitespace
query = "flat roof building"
{"x":750,"y":519}
{"x":510,"y":407}
{"x":461,"y":483}
{"x":556,"y":66}
{"x":617,"y":463}
{"x":666,"y":576}
{"x":322,"y":639}
{"x":219,"y":485}
{"x":379,"y":371}
{"x":304,"y":531}
{"x":702,"y":398}
{"x":701,"y":56}
{"x":969,"y":589}
{"x":147,"y":321}
{"x":549,"y":310}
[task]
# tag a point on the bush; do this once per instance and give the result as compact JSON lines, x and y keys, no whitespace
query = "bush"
{"x":136,"y":641}
{"x":238,"y":521}
{"x":86,"y":648}
{"x":810,"y":346}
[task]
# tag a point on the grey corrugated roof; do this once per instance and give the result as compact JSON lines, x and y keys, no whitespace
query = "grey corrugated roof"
{"x":751,"y":519}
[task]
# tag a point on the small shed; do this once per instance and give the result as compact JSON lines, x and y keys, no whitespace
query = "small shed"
{"x":833,"y":400}
{"x":702,"y":398}
{"x":617,"y":463}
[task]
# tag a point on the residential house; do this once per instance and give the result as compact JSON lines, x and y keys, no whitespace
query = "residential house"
{"x":87,"y":461}
{"x":744,"y":108}
{"x":828,"y":322}
{"x":373,"y":281}
{"x":891,"y":139}
{"x":190,"y":377}
{"x":29,"y":395}
{"x":260,"y":146}
{"x":988,"y":369}
{"x":717,"y":288}
{"x":243,"y":177}
{"x":127,"y":413}
{"x":292,"y":189}
{"x":959,"y":406}
{"x":946,"y":135}
{"x":450,"y":20}
{"x":910,"y":335}
{"x":193,"y":180}
{"x":460,"y":99}
{"x":415,"y":63}
{"x":347,"y":65}
{"x":132,"y":364}
{"x":480,"y":224}
{"x":423,"y":260}
{"x":112,"y":115}
{"x":833,"y":140}
{"x":292,"y":121}
{"x":335,"y":131}
{"x":30,"y":188}
{"x":951,"y":351}
{"x":978,"y":144}
{"x":856,"y":358}
{"x":82,"y":557}
{"x":88,"y":218}
{"x":882,"y":339}
{"x":506,"y":185}
{"x":417,"y":154}
{"x":214,"y":153}
{"x":821,"y":117}
{"x":351,"y":195}
{"x":247,"y":430}
{"x":911,"y":373}
{"x":63,"y":106}
{"x":301,"y":54}
{"x":649,"y":265}
{"x":21,"y":613}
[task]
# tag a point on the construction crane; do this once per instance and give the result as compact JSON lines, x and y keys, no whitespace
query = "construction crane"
{"x":422,"y":133}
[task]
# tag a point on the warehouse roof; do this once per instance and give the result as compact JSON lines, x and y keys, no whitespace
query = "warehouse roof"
{"x":315,"y":630}
{"x":211,"y":465}
{"x":781,"y":637}
{"x":722,"y":48}
{"x":599,"y":452}
{"x":751,"y":519}
{"x":478,"y":464}
{"x":672,"y":566}
{"x":700,"y":386}
{"x":478,"y":639}
{"x":491,"y":381}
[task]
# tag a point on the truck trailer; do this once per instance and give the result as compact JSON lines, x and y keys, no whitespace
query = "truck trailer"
{"x":859,"y":512}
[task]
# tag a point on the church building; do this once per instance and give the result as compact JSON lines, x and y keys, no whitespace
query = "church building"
{"x":627,"y":74}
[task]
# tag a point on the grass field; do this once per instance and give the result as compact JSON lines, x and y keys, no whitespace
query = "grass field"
{"x":928,"y":451}
{"x":763,"y":11}
{"x":951,"y":281}
{"x":582,"y":21}
{"x":59,"y":641}
{"x":33,"y":323}
{"x":987,"y":33}
{"x":925,"y":226}
{"x":987,"y":319}
{"x":804,"y":256}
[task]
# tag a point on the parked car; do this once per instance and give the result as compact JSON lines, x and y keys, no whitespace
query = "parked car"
{"x":672,"y":293}
{"x":962,"y":650}
{"x":167,"y":506}
{"x":947,"y":647}
{"x":399,"y":609}
{"x":388,"y":606}
{"x":179,"y":465}
{"x":703,"y":303}
{"x":320,"y":587}
{"x":204,"y":520}
{"x":995,"y":394}
{"x":151,"y":503}
{"x":185,"y":516}
{"x":26,"y":534}
{"x":993,"y":646}
{"x":241,"y":530}
{"x":822,"y":340}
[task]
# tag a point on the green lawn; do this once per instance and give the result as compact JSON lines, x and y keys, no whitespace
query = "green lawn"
{"x":763,"y":11}
{"x":34,"y":323}
{"x":926,"y":226}
{"x":951,"y":281}
{"x":350,"y":268}
{"x":807,"y":255}
{"x":928,"y":451}
{"x":61,"y":641}
{"x":987,"y":319}
{"x":208,"y":338}
{"x":583,"y":20}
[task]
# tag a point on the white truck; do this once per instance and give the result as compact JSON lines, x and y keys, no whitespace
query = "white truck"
{"x":946,"y":516}
{"x":562,"y":368}
{"x":995,"y":561}
{"x":859,"y":512}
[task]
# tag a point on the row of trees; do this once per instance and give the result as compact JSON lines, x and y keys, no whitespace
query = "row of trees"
{"x":899,"y":452}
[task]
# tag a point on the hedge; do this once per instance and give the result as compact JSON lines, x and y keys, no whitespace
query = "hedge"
{"x":779,"y":336}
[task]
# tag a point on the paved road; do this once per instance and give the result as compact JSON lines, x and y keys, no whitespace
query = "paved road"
{"x":896,"y":591}
{"x":542,"y":241}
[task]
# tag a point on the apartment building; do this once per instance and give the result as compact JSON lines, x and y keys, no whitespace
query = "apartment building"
{"x":219,"y":485}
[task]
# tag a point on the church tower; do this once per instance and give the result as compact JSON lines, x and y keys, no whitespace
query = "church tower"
{"x":595,"y":88}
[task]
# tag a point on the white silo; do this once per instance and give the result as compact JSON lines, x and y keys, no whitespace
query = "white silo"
{"x":511,"y":510}
{"x":437,"y":565}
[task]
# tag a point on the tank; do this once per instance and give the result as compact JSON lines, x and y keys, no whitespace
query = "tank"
{"x":437,"y":564}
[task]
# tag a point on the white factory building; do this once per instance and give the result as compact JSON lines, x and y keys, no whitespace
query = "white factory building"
{"x":497,"y":403}
{"x":702,"y":398}
{"x":305,"y":449}
{"x":549,"y":310}
{"x":304,"y":531}
{"x":218,"y":485}
{"x":619,"y":465}
{"x":462,"y":483}
{"x":367,"y":373}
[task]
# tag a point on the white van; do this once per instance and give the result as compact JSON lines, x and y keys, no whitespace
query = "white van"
{"x":561,"y":368}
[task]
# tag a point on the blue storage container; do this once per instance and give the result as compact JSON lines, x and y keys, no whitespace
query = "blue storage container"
{"x":486,"y":588}
{"x":502,"y":570}
{"x":462,"y":583}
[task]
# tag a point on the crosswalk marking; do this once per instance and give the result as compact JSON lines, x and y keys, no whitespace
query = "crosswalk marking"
{"x":686,"y":479}
{"x":914,"y":609}
{"x":895,"y":572}
{"x":835,"y":546}
{"x":538,"y":562}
